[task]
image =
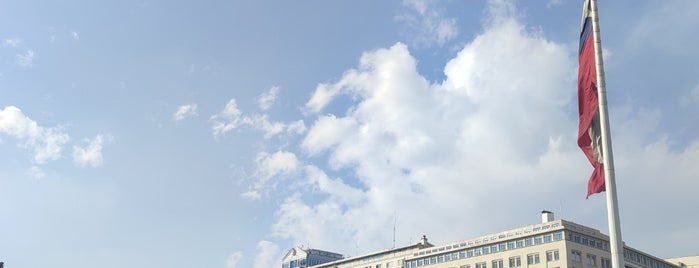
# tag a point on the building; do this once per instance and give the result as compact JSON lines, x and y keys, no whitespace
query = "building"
{"x":549,"y":244}
{"x":688,"y":261}
{"x":299,"y":257}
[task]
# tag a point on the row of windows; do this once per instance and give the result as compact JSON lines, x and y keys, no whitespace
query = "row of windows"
{"x":509,"y":245}
{"x":604,"y":245}
{"x":515,"y":261}
{"x":491,"y":239}
{"x":643,"y":259}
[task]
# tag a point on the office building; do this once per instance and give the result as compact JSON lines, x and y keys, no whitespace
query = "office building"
{"x":549,"y":244}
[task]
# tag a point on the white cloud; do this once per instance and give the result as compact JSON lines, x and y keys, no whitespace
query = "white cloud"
{"x":429,"y":24}
{"x":11,"y":42}
{"x":268,"y":168}
{"x":26,"y":59}
{"x":75,"y":35}
{"x":231,"y":118}
{"x":552,"y":3}
{"x":36,"y":172}
{"x":234,"y":259}
{"x":228,"y":119}
{"x":268,"y":98}
{"x":267,"y":255}
{"x":694,"y":95}
{"x":501,"y":125}
{"x":47,"y":143}
{"x":91,"y":152}
{"x":185,"y":111}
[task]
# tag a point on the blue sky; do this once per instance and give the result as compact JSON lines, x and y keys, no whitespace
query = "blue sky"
{"x":222,"y":133}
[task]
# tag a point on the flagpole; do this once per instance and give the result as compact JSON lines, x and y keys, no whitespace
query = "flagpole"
{"x":616,"y":244}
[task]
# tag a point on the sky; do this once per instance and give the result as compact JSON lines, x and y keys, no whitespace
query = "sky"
{"x":223,"y":133}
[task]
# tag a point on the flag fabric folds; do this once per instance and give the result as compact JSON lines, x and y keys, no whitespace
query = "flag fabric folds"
{"x":589,"y":136}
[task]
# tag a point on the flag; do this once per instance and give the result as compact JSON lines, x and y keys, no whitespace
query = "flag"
{"x":589,"y":136}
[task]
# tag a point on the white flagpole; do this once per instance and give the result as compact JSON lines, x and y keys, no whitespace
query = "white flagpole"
{"x":616,"y":244}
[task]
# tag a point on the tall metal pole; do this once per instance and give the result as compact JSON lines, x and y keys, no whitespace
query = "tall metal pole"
{"x":616,"y":244}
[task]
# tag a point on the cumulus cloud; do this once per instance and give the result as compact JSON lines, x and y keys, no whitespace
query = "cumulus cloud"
{"x":268,"y":168}
{"x":500,"y":128}
{"x":185,"y":111}
{"x":267,"y":255}
{"x":228,"y":119}
{"x":231,"y":118}
{"x":11,"y":42}
{"x":268,"y":98}
{"x":234,"y":259}
{"x":428,"y":25}
{"x":91,"y":152}
{"x":26,"y":59}
{"x":46,"y":143}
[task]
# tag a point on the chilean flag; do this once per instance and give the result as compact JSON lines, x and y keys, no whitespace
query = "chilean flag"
{"x":589,"y":138}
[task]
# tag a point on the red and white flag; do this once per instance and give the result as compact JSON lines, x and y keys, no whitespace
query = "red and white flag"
{"x":589,"y":136}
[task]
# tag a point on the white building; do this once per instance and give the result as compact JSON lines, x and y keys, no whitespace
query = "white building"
{"x":549,"y":244}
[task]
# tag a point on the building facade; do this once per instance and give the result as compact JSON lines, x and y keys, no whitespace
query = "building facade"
{"x":549,"y":244}
{"x":299,"y":257}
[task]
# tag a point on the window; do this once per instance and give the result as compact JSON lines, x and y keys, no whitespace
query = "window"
{"x":440,"y":259}
{"x":480,"y":265}
{"x":455,"y":256}
{"x":558,"y":236}
{"x":494,"y":248}
{"x":477,"y":251}
{"x":389,"y":264}
{"x":498,"y":264}
{"x":465,"y":266}
{"x":591,"y":260}
{"x":486,"y":250}
{"x":469,"y":253}
{"x":433,"y":260}
{"x":552,"y":255}
{"x":537,"y":240}
{"x":528,"y":242}
{"x":447,"y":257}
{"x":378,"y":265}
{"x":605,"y":263}
{"x":575,"y":256}
{"x":502,"y":247}
{"x":419,"y":263}
{"x":462,"y":254}
{"x":547,"y":238}
{"x":510,"y":245}
{"x":520,"y":243}
{"x":515,"y":261}
{"x":533,"y":258}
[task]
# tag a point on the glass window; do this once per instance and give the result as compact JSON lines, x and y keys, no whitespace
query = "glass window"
{"x":433,"y":260}
{"x":447,"y":257}
{"x":537,"y":240}
{"x":502,"y":247}
{"x":520,"y":243}
{"x":591,"y":260}
{"x":469,"y":253}
{"x":510,"y":245}
{"x":462,"y":254}
{"x":455,"y":256}
{"x":528,"y":242}
{"x":486,"y":250}
{"x":515,"y":261}
{"x":494,"y":248}
{"x":576,"y":256}
{"x":477,"y":252}
{"x":533,"y":258}
{"x":557,"y":236}
{"x":497,"y":264}
{"x":440,"y":259}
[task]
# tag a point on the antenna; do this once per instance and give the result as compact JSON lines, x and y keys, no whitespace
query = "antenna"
{"x":394,"y":229}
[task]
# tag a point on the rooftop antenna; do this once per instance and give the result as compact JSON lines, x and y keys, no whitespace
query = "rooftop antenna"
{"x":394,"y":229}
